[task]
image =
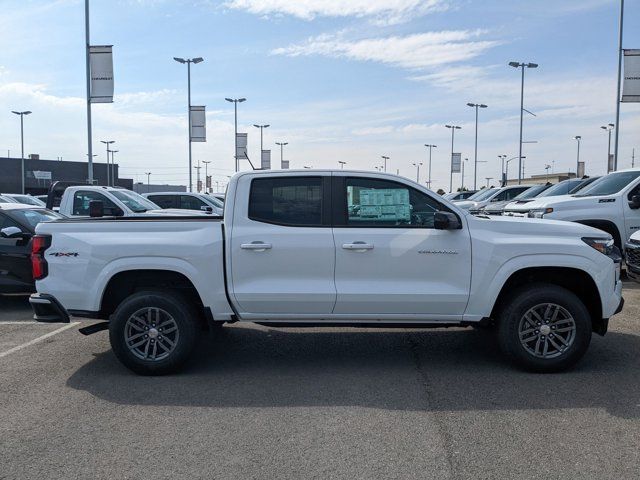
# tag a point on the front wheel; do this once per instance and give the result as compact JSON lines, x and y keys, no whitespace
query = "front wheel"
{"x":153,"y":333}
{"x":544,"y":328}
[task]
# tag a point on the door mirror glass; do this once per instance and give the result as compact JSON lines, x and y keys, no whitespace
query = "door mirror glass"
{"x":446,"y":221}
{"x":11,"y":232}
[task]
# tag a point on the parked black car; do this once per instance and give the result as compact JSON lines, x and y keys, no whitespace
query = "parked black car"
{"x":17,"y":226}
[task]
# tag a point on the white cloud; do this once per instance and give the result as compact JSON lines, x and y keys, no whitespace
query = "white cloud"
{"x":416,"y":51}
{"x":382,"y":11}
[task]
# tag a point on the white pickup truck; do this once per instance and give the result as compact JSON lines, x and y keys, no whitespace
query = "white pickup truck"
{"x":611,"y":203}
{"x":328,"y":248}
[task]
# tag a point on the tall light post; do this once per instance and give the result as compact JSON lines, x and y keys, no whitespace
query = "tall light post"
{"x":198,"y":167}
{"x":577,"y":138}
{"x":189,"y":61}
{"x":107,"y":143}
{"x":488,"y":179}
{"x":235,"y":102}
{"x":282,"y":144}
{"x":417,"y":165}
{"x":466,"y":160}
{"x":22,"y":114}
{"x":615,"y":151}
{"x":385,"y":158}
{"x":506,"y":172}
{"x":502,"y":175}
{"x":453,"y":132}
{"x":261,"y":127}
{"x":113,"y":167}
{"x":546,"y":168}
{"x":475,"y":152}
{"x":148,"y":174}
{"x":206,"y":175}
{"x":608,"y":128}
{"x":430,"y":147}
{"x":522,"y":66}
{"x":342,"y":164}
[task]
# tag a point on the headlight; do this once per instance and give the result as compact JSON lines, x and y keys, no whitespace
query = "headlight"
{"x":603,"y":245}
{"x":539,"y":212}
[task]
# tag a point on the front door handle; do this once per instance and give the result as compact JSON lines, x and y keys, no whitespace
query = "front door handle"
{"x":256,"y":246}
{"x":357,"y":246}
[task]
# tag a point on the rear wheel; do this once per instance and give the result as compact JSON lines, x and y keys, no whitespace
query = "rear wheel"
{"x":153,"y":333}
{"x":544,"y":328}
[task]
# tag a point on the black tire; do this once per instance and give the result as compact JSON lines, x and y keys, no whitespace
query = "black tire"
{"x":511,"y":321}
{"x":179,"y":342}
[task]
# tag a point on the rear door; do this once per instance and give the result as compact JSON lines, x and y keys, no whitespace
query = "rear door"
{"x":281,"y":246}
{"x":390,"y":260}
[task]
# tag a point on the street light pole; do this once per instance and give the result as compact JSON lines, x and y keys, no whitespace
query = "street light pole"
{"x":261,"y":127}
{"x":282,"y":144}
{"x":342,"y":164}
{"x":417,"y":165}
{"x":235,"y":102}
{"x":206,"y":175}
{"x":148,"y":174}
{"x":608,"y":128}
{"x":385,"y":158}
{"x":88,"y":74}
{"x":488,"y":180}
{"x":430,"y":147}
{"x":107,"y":143}
{"x":506,"y":173}
{"x":475,"y":154}
{"x":198,"y":177}
{"x":615,"y":151}
{"x":502,"y":174}
{"x":22,"y":114}
{"x":521,"y":66}
{"x":189,"y":61}
{"x":453,"y":131}
{"x":577,"y":138}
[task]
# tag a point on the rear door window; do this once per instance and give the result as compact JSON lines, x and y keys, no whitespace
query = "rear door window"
{"x":288,"y":201}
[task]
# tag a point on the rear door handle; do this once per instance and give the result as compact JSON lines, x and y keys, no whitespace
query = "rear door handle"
{"x":257,"y":246}
{"x":357,"y":246}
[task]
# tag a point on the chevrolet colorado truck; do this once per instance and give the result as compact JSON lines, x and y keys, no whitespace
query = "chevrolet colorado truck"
{"x":328,"y":248}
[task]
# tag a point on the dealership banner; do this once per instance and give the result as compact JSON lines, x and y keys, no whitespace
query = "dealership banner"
{"x":101,"y":66}
{"x":631,"y":82}
{"x":580,"y":170}
{"x":198,"y":123}
{"x":456,"y":161}
{"x":265,"y":163}
{"x":241,"y":146}
{"x":285,"y":165}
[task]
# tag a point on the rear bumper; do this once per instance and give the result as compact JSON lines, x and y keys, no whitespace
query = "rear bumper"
{"x":47,"y":309}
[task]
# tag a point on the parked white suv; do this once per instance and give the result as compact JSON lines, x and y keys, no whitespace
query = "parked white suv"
{"x":320,"y":247}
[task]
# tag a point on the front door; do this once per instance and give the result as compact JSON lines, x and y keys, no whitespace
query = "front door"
{"x":390,"y":260}
{"x":282,"y":250}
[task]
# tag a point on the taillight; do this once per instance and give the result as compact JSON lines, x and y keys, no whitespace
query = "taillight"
{"x":39,"y":244}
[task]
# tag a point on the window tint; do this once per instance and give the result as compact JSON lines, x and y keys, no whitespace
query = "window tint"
{"x":163,"y":201}
{"x":382,"y":203}
{"x":191,"y":203}
{"x":287,"y":201}
{"x":81,"y":201}
{"x":609,"y":184}
{"x":483,"y":194}
{"x":512,"y":193}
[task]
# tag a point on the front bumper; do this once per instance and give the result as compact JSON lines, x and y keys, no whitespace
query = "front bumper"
{"x":47,"y":309}
{"x":632,"y":259}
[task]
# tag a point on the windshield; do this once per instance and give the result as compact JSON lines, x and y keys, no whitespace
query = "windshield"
{"x":609,"y":184}
{"x":33,"y":217}
{"x":562,"y":188}
{"x":215,"y":201}
{"x":28,"y":200}
{"x":482,"y":194}
{"x":137,"y":203}
{"x":584,"y":184}
{"x":531,"y":192}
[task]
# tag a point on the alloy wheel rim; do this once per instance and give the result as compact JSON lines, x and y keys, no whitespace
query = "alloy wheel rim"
{"x":547,"y":330}
{"x":151,"y":334}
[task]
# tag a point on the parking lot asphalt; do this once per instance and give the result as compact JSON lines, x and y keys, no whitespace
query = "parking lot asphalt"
{"x":263,"y":403}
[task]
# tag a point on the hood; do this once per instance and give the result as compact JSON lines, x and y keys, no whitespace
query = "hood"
{"x":526,"y":205}
{"x":536,"y":227}
{"x":467,"y":204}
{"x":497,"y":206}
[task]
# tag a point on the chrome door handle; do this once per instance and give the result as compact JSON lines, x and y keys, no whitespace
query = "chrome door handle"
{"x":357,"y":246}
{"x":257,"y":246}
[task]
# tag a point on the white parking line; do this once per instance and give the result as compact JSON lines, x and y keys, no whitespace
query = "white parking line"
{"x":18,"y":322}
{"x":39,"y":339}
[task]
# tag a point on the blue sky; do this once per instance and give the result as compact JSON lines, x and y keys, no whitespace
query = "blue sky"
{"x":338,"y":80}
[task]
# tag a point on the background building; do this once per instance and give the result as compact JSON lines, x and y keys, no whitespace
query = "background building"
{"x":543,"y":178}
{"x":39,"y":174}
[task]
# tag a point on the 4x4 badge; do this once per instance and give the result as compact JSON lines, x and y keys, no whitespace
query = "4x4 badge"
{"x":64,"y":254}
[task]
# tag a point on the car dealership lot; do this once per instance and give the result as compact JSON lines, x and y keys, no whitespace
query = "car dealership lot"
{"x":316,"y":403}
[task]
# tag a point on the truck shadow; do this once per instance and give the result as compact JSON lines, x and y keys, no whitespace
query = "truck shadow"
{"x":450,"y":370}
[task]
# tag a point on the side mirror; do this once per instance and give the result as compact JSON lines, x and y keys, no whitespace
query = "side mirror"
{"x":11,"y":232}
{"x":634,"y":204}
{"x":96,"y":209}
{"x":207,"y":209}
{"x":446,"y":221}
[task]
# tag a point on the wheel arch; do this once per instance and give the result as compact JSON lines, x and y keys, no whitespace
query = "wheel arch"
{"x":607,"y":226}
{"x":573,"y":279}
